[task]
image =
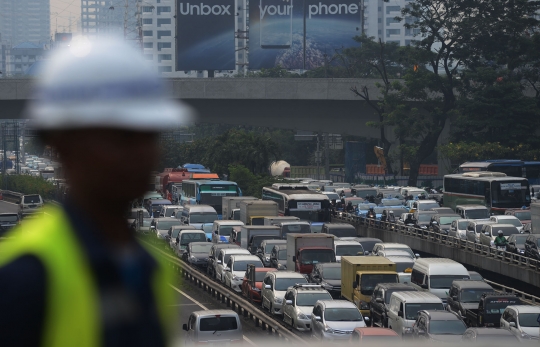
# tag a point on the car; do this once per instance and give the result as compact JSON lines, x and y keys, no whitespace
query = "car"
{"x":440,"y":223}
{"x":474,"y":212}
{"x":252,"y":282}
{"x":299,"y":302}
{"x":367,"y":242}
{"x":423,"y":218}
{"x":134,"y":214}
{"x":443,"y":210}
{"x":196,"y":253}
{"x":380,"y":301}
{"x":532,"y":246}
{"x":209,"y":326}
{"x":278,"y":257}
{"x":524,"y":215}
{"x":474,"y":229}
{"x":382,"y":336}
{"x":223,"y":259}
{"x":458,"y":229}
{"x":173,"y":233}
{"x":8,"y":221}
{"x":440,"y":326}
{"x":213,"y":254}
{"x":490,"y":232}
{"x":395,"y":253}
{"x":516,"y":244}
{"x":506,"y":219}
{"x":161,"y":226}
{"x":335,"y":320}
{"x":29,"y":204}
{"x":393,"y":246}
{"x":404,"y":307}
{"x":522,"y":321}
{"x":347,"y":248}
{"x":169,"y":210}
{"x":328,"y":275}
{"x":475,"y":276}
{"x":275,"y":285}
{"x":265,"y":249}
{"x":236,"y":268}
{"x":488,"y":336}
{"x":185,"y":237}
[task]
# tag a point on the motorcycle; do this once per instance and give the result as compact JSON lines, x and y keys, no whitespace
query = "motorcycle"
{"x":501,"y":250}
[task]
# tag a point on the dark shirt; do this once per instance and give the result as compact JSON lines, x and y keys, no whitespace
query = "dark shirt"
{"x":129,"y":315}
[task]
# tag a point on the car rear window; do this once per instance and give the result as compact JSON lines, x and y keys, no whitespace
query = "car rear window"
{"x":31,"y":199}
{"x":9,"y":218}
{"x":218,"y":323}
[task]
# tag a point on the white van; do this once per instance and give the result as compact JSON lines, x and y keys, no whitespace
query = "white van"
{"x":29,"y":204}
{"x":435,"y":275}
{"x":404,"y":307}
{"x":213,"y":327}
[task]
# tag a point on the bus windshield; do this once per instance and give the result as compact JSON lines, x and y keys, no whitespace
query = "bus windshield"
{"x":507,"y":194}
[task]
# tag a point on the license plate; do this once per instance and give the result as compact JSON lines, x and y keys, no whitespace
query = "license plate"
{"x":218,"y":194}
{"x":32,"y":206}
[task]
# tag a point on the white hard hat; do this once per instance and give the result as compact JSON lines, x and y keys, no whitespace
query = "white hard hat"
{"x":105,"y":83}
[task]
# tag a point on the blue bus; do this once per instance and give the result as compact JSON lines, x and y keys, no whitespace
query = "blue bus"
{"x":208,"y":192}
{"x":514,"y":168}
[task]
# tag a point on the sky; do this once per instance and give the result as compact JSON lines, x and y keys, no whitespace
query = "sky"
{"x":61,"y":11}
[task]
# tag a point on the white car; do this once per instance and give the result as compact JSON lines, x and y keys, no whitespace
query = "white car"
{"x":522,"y":321}
{"x":335,"y":320}
{"x":347,"y":248}
{"x":236,"y":268}
{"x":223,"y":259}
{"x":386,"y":246}
{"x":299,"y":302}
{"x":275,"y":285}
{"x":505,"y":219}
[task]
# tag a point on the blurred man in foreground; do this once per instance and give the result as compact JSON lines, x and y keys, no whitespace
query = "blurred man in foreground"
{"x":78,"y":276}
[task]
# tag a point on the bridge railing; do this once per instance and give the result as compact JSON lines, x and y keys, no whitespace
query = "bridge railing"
{"x":450,"y":241}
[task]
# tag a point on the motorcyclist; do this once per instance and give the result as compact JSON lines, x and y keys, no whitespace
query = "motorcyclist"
{"x":349,"y":207}
{"x":371,"y":213}
{"x":391,"y":217}
{"x":500,"y":240}
{"x":409,"y":219}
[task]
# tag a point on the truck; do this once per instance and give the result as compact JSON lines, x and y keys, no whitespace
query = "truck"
{"x":490,"y":309}
{"x":279,"y":219}
{"x":252,"y":212}
{"x":360,"y":275}
{"x":304,"y":250}
{"x":230,"y":203}
{"x":249,"y":231}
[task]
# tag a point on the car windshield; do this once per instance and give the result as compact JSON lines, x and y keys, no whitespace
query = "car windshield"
{"x":241,"y":265}
{"x":269,"y":247}
{"x":447,"y":327}
{"x":201,"y":248}
{"x":472,"y":295}
{"x":405,"y":249}
{"x":477,"y":214}
{"x":507,"y":231}
{"x":175,"y":233}
{"x":225,"y":230}
{"x":31,"y":199}
{"x":368,"y":245}
{"x":462,"y":225}
{"x":520,"y":239}
{"x":135,"y":213}
{"x":523,"y":215}
{"x":448,"y":220}
{"x":402,"y":266}
{"x":257,"y":240}
{"x":316,"y":228}
{"x":169,"y":212}
{"x":9,"y":218}
{"x":283,"y":283}
{"x":331,"y":273}
{"x":528,"y":320}
{"x":309,"y":299}
{"x":411,"y":310}
{"x":424,"y":217}
{"x":349,"y":250}
{"x":348,"y":232}
{"x":295,"y":228}
{"x":218,"y":324}
{"x":497,"y":306}
{"x":282,"y":254}
{"x":342,"y":315}
{"x":204,"y":217}
{"x":167,"y":224}
{"x":314,"y":256}
{"x":368,"y":192}
{"x":538,"y":242}
{"x":427,"y":206}
{"x":388,"y":293}
{"x":444,"y":281}
{"x":192,"y":237}
{"x":369,"y":281}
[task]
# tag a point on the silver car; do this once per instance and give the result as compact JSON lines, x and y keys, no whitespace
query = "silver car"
{"x":274,"y":287}
{"x":335,"y":320}
{"x":236,"y":268}
{"x":299,"y":302}
{"x":458,"y":229}
{"x":213,"y":326}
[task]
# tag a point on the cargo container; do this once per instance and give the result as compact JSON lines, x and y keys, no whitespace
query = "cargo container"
{"x":304,"y":250}
{"x":252,"y":212}
{"x":230,"y":203}
{"x":249,"y":231}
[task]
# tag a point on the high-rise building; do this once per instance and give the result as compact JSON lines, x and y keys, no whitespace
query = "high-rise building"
{"x":380,"y":21}
{"x":110,"y":18}
{"x":25,"y":21}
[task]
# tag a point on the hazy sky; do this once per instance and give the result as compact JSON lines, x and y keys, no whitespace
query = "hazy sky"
{"x":61,"y":11}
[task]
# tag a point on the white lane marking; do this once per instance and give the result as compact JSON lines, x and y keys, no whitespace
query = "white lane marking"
{"x":204,"y":307}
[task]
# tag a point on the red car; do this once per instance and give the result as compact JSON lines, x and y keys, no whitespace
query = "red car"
{"x":252,"y":283}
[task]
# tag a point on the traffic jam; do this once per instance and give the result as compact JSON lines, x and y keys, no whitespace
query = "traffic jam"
{"x":294,"y":255}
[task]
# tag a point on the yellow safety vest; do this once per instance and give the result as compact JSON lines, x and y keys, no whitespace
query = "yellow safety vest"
{"x":72,"y":316}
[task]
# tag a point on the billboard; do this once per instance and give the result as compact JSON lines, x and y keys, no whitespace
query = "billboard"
{"x":205,"y":35}
{"x":297,"y":34}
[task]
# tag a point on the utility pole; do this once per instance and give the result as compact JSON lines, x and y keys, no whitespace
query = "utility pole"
{"x":5,"y":156}
{"x":326,"y":156}
{"x":16,"y":146}
{"x":318,"y":158}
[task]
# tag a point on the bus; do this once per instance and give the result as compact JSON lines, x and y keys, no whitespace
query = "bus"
{"x":306,"y":204}
{"x":514,"y":168}
{"x":208,"y":192}
{"x":495,"y":190}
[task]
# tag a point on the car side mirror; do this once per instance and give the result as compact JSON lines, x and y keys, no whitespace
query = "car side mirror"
{"x":354,"y":284}
{"x":288,"y":302}
{"x":512,"y":324}
{"x":417,"y":255}
{"x":400,"y":314}
{"x":487,"y":234}
{"x":267,"y":286}
{"x":366,"y":319}
{"x":184,"y":327}
{"x":318,"y":318}
{"x":424,"y":286}
{"x":379,"y":300}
